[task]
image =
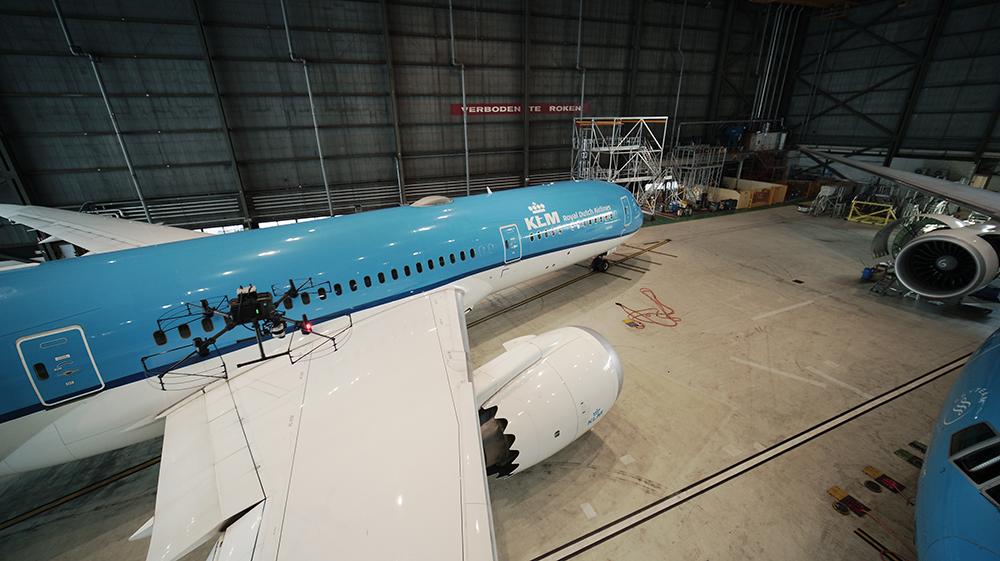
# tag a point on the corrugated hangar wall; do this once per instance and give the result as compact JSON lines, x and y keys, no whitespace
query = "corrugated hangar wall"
{"x":216,"y":118}
{"x":193,"y":164}
{"x":918,"y":78}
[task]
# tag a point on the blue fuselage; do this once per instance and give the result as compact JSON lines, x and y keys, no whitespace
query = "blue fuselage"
{"x":956,"y":518}
{"x":109,"y":303}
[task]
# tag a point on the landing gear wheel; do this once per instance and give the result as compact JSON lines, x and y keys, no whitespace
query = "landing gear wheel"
{"x":600,"y":264}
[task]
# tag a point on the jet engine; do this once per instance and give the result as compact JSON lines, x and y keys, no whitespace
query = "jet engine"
{"x":542,"y":393}
{"x":948,"y":263}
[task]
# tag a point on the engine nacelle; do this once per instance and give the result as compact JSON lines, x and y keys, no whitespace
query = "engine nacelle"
{"x":543,"y":393}
{"x":947,"y":263}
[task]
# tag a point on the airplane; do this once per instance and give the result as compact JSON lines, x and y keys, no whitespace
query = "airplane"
{"x":311,"y":381}
{"x":958,"y":495}
{"x":949,"y":262}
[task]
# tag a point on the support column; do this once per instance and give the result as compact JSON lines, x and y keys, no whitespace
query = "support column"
{"x":633,"y":64}
{"x":525,"y":89}
{"x":393,"y":103}
{"x":248,"y":221}
{"x":991,"y":125}
{"x":8,"y":172}
{"x":720,"y":61}
{"x":940,"y":17}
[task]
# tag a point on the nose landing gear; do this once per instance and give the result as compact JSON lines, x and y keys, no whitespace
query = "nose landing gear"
{"x":600,"y":264}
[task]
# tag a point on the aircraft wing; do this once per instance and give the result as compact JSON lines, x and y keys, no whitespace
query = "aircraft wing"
{"x":979,"y":200}
{"x":364,"y":452}
{"x":95,"y":233}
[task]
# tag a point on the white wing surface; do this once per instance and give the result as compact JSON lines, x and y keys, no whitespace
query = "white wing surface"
{"x":95,"y":233}
{"x":371,"y":451}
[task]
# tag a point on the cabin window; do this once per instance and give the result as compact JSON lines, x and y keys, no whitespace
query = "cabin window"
{"x":461,"y":255}
{"x":452,"y":257}
{"x":420,"y":268}
{"x":430,"y":264}
{"x":406,"y":270}
{"x":441,"y":260}
{"x":381,"y":277}
{"x":472,"y":253}
{"x":337,"y":289}
{"x":395,"y":274}
{"x":354,"y":285}
{"x":368,"y":281}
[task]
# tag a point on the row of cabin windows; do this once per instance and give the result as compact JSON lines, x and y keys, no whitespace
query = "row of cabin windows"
{"x":352,"y":285}
{"x":558,"y":231}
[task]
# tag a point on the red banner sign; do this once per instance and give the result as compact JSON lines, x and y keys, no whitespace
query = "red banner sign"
{"x":516,"y":108}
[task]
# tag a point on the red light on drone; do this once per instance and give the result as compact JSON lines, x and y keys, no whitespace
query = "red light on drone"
{"x":306,"y":326}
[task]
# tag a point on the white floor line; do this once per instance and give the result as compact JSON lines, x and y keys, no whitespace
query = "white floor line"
{"x":778,"y":372}
{"x":781,"y":310}
{"x":837,"y":382}
{"x":637,"y":517}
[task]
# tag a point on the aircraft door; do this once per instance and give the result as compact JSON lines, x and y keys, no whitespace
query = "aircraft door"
{"x":626,"y":212}
{"x":59,"y":365}
{"x":511,"y":238}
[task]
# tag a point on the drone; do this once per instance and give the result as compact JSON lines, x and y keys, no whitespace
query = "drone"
{"x":265,"y":313}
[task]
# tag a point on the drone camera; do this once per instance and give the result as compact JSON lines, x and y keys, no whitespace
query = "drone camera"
{"x":249,"y":307}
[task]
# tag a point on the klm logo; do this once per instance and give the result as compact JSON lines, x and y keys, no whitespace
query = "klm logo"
{"x":542,"y":220}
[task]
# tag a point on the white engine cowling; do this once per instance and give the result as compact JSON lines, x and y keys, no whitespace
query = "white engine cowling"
{"x":543,"y":393}
{"x":947,"y":263}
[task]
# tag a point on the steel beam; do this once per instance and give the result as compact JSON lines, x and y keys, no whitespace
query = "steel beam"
{"x":390,"y":71}
{"x":720,"y":60}
{"x":248,"y":221}
{"x":991,"y":125}
{"x":940,"y":17}
{"x":867,"y":31}
{"x":525,"y":90}
{"x":92,"y":59}
{"x":8,"y":172}
{"x":852,"y":110}
{"x":825,"y":164}
{"x":628,"y":97}
{"x":857,"y":152}
{"x":855,"y":95}
{"x":858,"y":30}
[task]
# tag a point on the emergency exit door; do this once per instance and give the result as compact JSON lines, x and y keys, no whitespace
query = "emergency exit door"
{"x":511,"y":238}
{"x":59,"y":365}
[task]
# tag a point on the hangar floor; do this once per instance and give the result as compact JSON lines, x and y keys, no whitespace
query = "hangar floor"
{"x":776,"y":339}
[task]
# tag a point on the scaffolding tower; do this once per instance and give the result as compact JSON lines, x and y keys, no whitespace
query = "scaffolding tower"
{"x":696,"y":168}
{"x":629,"y":151}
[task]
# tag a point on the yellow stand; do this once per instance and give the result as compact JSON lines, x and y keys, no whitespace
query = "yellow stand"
{"x":871,"y":213}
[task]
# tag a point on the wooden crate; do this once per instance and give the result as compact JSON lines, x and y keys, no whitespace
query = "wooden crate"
{"x":761,"y":193}
{"x":742,"y":198}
